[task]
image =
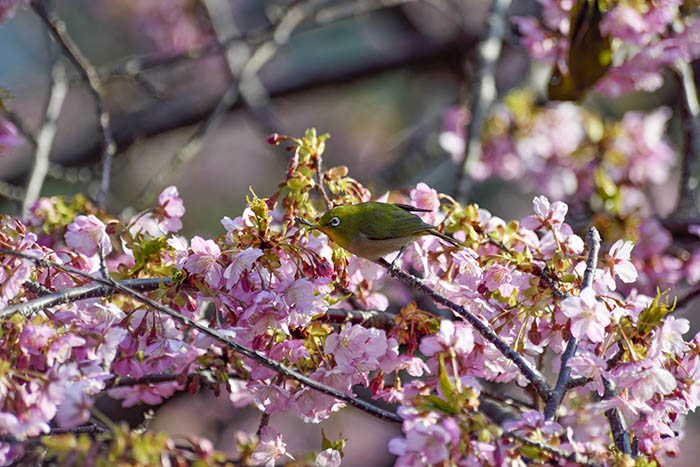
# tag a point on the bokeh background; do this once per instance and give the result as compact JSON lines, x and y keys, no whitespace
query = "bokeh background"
{"x":378,"y":76}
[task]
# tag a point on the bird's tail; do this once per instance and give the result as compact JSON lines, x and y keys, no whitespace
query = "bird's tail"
{"x":446,"y":237}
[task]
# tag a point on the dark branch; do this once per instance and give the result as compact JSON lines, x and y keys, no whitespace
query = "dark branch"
{"x":254,"y":355}
{"x":564,"y":378}
{"x":687,"y":208}
{"x":486,"y":332}
{"x":76,"y":294}
{"x":485,"y":90}
{"x":568,"y":455}
{"x":58,"y":31}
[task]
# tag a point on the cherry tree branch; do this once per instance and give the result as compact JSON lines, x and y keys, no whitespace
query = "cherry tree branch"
{"x":58,"y":31}
{"x":44,"y":140}
{"x":76,"y":294}
{"x":248,"y":71}
{"x":530,"y":373}
{"x":252,"y":354}
{"x":564,"y":378}
{"x":485,"y":93}
{"x":689,"y":109}
{"x":571,"y":456}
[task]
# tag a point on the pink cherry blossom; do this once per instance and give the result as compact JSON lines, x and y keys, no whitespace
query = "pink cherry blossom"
{"x":8,"y":132}
{"x":270,"y":448}
{"x":203,"y":260}
{"x":243,"y":261}
{"x":170,"y":210}
{"x":356,"y":348}
{"x":75,"y":408}
{"x":328,"y":458}
{"x":669,"y":338}
{"x":499,"y":278}
{"x":588,"y":316}
{"x":453,"y":336}
{"x":86,"y":234}
{"x":533,"y":420}
{"x":547,"y":216}
{"x":619,"y":264}
{"x":35,"y":337}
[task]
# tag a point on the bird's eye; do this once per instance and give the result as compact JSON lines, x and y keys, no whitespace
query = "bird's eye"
{"x":334,"y":222}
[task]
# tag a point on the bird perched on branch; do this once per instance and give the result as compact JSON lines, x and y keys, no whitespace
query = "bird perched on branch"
{"x":372,"y":230}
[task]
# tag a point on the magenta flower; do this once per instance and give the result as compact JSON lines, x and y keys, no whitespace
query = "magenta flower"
{"x":498,"y":277}
{"x":8,"y":132}
{"x":243,"y":261}
{"x":455,"y":336}
{"x":669,"y":338}
{"x":533,"y":420}
{"x":170,"y":210}
{"x":619,"y":264}
{"x":86,"y":233}
{"x":546,"y":215}
{"x":34,"y":338}
{"x":328,"y":458}
{"x":588,"y":316}
{"x":356,"y":348}
{"x":270,"y":448}
{"x":203,"y":260}
{"x":75,"y":408}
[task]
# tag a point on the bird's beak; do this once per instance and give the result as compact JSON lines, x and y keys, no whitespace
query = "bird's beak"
{"x":305,"y":222}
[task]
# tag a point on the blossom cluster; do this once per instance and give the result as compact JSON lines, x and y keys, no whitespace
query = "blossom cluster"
{"x":268,"y":284}
{"x":646,"y":37}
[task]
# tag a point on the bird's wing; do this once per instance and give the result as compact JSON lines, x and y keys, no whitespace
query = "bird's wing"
{"x":395,"y":225}
{"x":408,"y":207}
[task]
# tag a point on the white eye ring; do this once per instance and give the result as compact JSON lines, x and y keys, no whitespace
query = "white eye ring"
{"x":334,"y":222}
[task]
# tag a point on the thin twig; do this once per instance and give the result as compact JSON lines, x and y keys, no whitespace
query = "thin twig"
{"x":252,"y":66}
{"x":58,"y":31}
{"x":689,"y":110}
{"x":252,"y":354}
{"x":507,"y":400}
{"x":484,"y":95}
{"x":571,"y":456}
{"x":77,"y":294}
{"x":264,"y":421}
{"x":564,"y":378}
{"x":319,"y":182}
{"x":530,"y":373}
{"x":44,"y":140}
{"x":252,"y":90}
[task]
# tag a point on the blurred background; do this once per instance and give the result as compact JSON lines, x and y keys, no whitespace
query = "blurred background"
{"x":379,"y":76}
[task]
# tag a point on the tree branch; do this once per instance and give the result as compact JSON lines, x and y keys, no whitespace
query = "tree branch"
{"x":484,"y":95}
{"x":44,"y":140}
{"x":266,"y":51}
{"x":76,"y":294}
{"x":689,"y":110}
{"x":58,"y":31}
{"x":252,"y":354}
{"x":486,"y":332}
{"x":575,"y":457}
{"x":564,"y":378}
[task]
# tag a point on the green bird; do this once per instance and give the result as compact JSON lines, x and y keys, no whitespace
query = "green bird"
{"x":589,"y":57}
{"x":372,"y":230}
